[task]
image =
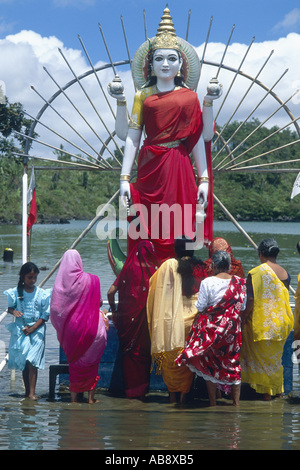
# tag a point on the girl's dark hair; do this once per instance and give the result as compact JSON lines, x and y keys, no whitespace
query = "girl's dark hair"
{"x":221,"y":260}
{"x":268,"y":248}
{"x":183,"y":247}
{"x":25,"y":269}
{"x":185,"y":269}
{"x":186,"y":263}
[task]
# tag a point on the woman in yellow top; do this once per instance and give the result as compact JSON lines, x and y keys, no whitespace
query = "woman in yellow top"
{"x":267,"y":322}
{"x":171,"y":310}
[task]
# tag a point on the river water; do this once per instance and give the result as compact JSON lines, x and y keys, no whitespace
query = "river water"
{"x":115,"y":424}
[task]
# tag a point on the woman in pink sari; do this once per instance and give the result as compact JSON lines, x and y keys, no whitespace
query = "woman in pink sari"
{"x":80,"y":326}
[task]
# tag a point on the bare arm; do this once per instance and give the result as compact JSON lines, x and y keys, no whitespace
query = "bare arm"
{"x":27,"y":330}
{"x":111,"y":297}
{"x":15,"y":313}
{"x":250,"y":300}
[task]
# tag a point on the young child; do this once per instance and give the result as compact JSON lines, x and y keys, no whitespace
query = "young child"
{"x":30,"y":305}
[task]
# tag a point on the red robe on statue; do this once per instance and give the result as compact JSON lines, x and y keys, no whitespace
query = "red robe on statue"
{"x":165,"y":177}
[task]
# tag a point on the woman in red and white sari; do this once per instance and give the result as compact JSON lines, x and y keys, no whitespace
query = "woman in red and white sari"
{"x":214,"y":342}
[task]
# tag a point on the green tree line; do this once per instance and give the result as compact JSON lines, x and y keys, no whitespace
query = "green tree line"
{"x":63,"y":194}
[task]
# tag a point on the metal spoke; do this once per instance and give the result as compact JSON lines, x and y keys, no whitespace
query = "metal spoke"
{"x":249,"y":115}
{"x":91,"y":103}
{"x":254,"y":80}
{"x":205,"y":46}
{"x":267,"y":153}
{"x":102,"y":121}
{"x":97,"y":77}
{"x":125,"y":37}
{"x":145,"y":25}
{"x":55,"y":148}
{"x":256,"y":129}
{"x":225,"y":51}
{"x":66,"y":140}
{"x":188,"y":26}
{"x":76,"y":166}
{"x":234,"y":78}
{"x":69,"y":124}
{"x":264,"y":140}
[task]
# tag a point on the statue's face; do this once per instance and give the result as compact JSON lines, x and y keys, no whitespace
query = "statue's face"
{"x":166,"y":63}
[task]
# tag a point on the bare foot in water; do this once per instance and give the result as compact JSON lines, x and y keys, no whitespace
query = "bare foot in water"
{"x":32,"y":397}
{"x":182,"y":398}
{"x":267,"y":397}
{"x":91,"y":399}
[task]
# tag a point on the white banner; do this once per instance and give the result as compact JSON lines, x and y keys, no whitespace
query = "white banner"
{"x":296,"y":187}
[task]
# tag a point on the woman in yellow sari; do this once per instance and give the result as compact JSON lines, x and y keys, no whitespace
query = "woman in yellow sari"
{"x":267,"y":322}
{"x":173,"y":291}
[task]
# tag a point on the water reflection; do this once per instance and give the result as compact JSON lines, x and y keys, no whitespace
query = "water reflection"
{"x":130,"y":425}
{"x":117,"y":423}
{"x":122,"y":424}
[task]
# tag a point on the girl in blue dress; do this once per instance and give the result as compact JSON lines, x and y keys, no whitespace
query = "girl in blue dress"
{"x":30,"y":305}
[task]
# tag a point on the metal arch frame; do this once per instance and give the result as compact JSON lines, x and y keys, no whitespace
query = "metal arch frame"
{"x":127,"y":62}
{"x":259,"y":83}
{"x":64,"y":88}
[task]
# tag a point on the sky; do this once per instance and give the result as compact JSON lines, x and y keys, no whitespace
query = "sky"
{"x":33,"y":32}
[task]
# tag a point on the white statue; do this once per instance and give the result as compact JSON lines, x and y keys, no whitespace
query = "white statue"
{"x":165,"y":70}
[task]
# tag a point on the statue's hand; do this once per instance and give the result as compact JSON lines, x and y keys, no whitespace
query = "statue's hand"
{"x":214,"y":90}
{"x":116,"y":96}
{"x":125,"y":194}
{"x":116,"y":89}
{"x":203,"y":193}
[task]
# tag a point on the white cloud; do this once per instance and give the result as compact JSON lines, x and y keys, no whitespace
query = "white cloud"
{"x":291,"y":21}
{"x":24,"y":55}
{"x":22,"y":59}
{"x":285,"y":56}
{"x":5,"y":27}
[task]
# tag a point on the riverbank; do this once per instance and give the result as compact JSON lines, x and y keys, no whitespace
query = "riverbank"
{"x":77,"y":194}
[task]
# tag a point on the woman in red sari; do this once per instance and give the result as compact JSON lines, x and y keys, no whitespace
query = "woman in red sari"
{"x":214,"y":342}
{"x":79,"y":323}
{"x":130,"y":318}
{"x":166,"y":71}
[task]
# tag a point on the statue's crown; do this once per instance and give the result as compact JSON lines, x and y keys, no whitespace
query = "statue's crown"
{"x":165,"y":37}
